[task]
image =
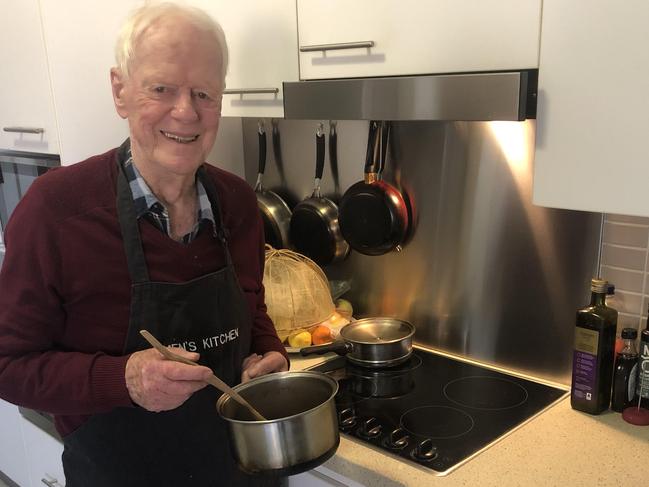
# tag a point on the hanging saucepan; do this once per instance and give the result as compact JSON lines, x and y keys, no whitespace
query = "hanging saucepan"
{"x":374,"y":217}
{"x":314,"y":228}
{"x":275,"y":213}
{"x":301,"y":431}
{"x":371,"y":342}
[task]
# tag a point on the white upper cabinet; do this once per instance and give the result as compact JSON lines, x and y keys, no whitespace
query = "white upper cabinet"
{"x":262,"y":43}
{"x":80,"y":38}
{"x":27,"y":120}
{"x":416,"y":37}
{"x":592,"y":124}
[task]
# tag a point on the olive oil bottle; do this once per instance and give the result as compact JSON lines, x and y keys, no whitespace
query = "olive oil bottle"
{"x":593,"y":356}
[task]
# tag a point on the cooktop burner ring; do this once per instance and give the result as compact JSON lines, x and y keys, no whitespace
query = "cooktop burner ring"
{"x":354,"y":390}
{"x":485,"y":393}
{"x":451,"y":422}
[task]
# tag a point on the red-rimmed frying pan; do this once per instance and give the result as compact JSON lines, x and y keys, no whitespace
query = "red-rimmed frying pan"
{"x":314,"y":227}
{"x":374,"y":217}
{"x":275,"y":213}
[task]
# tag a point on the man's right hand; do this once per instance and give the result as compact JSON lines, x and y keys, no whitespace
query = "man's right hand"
{"x":158,"y":384}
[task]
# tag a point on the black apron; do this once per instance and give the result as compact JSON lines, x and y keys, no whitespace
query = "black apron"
{"x":187,"y":446}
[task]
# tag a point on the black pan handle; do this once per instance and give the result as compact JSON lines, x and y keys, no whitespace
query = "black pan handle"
{"x":333,"y":154}
{"x":319,"y":152}
{"x":339,"y":347}
{"x":385,"y":142}
{"x":262,"y":148}
{"x":277,"y":146}
{"x":371,"y":156}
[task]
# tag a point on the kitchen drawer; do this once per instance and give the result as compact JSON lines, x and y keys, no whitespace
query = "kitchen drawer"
{"x":415,"y":37}
{"x":44,"y":452}
{"x":13,"y":461}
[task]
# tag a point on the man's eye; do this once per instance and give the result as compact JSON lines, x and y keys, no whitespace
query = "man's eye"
{"x":201,"y":95}
{"x":160,"y":89}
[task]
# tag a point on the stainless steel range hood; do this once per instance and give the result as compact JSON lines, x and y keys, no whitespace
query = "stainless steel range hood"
{"x":471,"y":97}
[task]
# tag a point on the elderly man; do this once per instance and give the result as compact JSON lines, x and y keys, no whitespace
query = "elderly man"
{"x":145,"y":236}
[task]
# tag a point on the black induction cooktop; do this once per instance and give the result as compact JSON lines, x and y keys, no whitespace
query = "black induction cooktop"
{"x":433,"y":410}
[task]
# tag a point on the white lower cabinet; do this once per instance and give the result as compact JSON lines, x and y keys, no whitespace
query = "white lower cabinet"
{"x":321,"y":477}
{"x":13,"y":460}
{"x":44,"y":464}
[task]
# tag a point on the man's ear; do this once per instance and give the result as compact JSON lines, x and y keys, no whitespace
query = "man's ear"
{"x":118,"y":86}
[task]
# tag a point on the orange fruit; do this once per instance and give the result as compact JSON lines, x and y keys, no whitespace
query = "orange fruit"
{"x":321,"y":334}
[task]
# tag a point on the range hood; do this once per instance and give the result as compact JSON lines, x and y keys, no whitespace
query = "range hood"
{"x":507,"y":95}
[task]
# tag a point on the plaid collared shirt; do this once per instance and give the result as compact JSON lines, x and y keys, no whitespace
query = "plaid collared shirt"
{"x":147,"y":204}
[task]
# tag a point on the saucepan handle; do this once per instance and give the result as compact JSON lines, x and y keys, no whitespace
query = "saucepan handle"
{"x":261,"y":135}
{"x":339,"y":347}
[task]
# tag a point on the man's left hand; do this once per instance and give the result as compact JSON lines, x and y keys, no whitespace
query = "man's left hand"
{"x":256,"y":365}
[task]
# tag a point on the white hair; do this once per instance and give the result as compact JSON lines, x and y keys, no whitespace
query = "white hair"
{"x":144,"y":17}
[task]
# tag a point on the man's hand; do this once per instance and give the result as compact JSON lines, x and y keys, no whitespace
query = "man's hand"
{"x":157,"y":384}
{"x":255,"y":365}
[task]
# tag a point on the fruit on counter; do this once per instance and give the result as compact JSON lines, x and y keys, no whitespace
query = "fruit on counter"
{"x":299,"y":338}
{"x":321,"y":334}
{"x":344,"y":307}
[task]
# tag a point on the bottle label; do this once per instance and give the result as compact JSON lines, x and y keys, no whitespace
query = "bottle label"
{"x":643,"y":373}
{"x":584,"y":364}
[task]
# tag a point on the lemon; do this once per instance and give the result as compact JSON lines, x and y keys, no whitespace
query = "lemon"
{"x":344,"y":307}
{"x":299,"y":339}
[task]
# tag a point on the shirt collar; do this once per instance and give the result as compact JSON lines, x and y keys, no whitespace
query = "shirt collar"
{"x":145,"y":200}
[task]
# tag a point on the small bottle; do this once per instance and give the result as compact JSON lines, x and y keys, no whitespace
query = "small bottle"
{"x":642,"y":389}
{"x":612,"y":302}
{"x":626,"y":372}
{"x":592,"y":363}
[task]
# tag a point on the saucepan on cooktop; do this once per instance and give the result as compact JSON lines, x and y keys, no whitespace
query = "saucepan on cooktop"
{"x":371,"y":342}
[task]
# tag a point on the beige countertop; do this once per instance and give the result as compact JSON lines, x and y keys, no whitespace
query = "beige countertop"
{"x":558,"y":447}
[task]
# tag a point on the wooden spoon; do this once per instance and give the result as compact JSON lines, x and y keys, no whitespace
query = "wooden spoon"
{"x":212,"y":380}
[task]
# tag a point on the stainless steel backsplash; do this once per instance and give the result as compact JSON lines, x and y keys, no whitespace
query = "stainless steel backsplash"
{"x":485,"y":274}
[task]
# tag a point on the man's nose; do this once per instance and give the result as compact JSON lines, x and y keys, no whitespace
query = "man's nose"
{"x":184,"y":108}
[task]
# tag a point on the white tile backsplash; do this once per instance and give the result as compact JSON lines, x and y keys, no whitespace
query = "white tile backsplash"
{"x":627,"y":234}
{"x":625,"y":263}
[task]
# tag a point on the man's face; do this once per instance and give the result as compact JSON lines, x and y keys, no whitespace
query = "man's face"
{"x":172,"y":98}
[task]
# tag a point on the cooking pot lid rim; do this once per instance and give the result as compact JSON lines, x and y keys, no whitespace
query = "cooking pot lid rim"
{"x":351,"y":327}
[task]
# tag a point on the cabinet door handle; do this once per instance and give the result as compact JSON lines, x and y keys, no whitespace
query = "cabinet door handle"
{"x":337,"y":46}
{"x":24,"y":130}
{"x":250,"y":91}
{"x":51,"y":483}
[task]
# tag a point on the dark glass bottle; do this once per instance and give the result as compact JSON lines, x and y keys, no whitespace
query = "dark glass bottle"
{"x":626,"y":372}
{"x":592,"y":363}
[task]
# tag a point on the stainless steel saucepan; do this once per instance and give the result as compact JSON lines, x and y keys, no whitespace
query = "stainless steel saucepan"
{"x":301,"y":431}
{"x":371,"y":342}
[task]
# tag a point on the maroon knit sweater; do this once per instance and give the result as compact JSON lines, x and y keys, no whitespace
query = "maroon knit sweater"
{"x":65,"y":288}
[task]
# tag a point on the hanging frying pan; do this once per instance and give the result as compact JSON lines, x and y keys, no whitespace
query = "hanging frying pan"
{"x":275,"y":213}
{"x":373,"y":214}
{"x":314,"y":228}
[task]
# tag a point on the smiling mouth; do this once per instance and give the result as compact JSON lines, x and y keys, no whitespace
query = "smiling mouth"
{"x":178,"y":138}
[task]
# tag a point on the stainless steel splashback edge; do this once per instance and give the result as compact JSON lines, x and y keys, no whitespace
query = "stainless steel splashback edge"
{"x":460,"y":97}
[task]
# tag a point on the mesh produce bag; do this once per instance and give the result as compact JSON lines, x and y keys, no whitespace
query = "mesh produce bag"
{"x":297,"y":291}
